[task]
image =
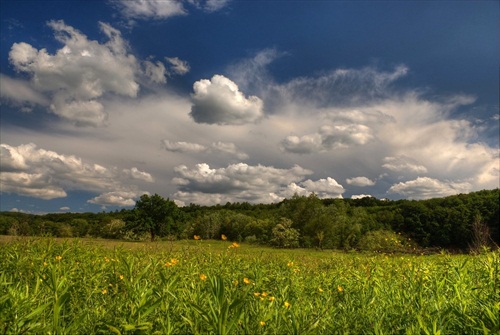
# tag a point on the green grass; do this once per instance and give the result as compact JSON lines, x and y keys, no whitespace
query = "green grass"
{"x":93,"y":286}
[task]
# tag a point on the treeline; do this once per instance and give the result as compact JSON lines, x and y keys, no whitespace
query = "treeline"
{"x":456,"y":222}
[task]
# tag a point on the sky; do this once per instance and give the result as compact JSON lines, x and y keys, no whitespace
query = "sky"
{"x":214,"y":101}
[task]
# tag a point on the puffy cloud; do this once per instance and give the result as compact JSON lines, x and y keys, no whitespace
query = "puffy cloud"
{"x":40,"y":173}
{"x":155,"y":72}
{"x":425,"y":188}
{"x":240,"y":182}
{"x":360,"y":181}
{"x":150,"y":9}
{"x":179,"y":66}
{"x":64,"y":208}
{"x":324,"y":188}
{"x":219,"y":101}
{"x":403,"y":164}
{"x":184,"y":146}
{"x":329,"y":137}
{"x":360,"y":196}
{"x":121,"y":199}
{"x":216,"y":147}
{"x":79,"y":73}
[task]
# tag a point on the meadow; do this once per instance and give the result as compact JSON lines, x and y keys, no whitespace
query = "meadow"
{"x":92,"y":286}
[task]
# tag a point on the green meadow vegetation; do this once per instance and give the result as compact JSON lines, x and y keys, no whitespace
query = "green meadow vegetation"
{"x":92,"y":286}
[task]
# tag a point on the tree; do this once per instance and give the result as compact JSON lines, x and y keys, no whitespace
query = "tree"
{"x":156,"y":215}
{"x":284,"y":236}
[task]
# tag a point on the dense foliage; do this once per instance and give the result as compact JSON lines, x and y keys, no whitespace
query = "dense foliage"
{"x":216,"y":287}
{"x":456,"y":222}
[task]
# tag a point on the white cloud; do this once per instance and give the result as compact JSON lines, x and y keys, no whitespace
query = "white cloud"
{"x":324,"y":188}
{"x":241,"y":182}
{"x":219,"y":101}
{"x":195,"y":148}
{"x":425,"y":188}
{"x":79,"y":73}
{"x":155,"y":72}
{"x":360,"y":181}
{"x":181,"y":146}
{"x":150,"y":9}
{"x":121,"y":199}
{"x":40,"y":173}
{"x":403,"y":164}
{"x":360,"y":196}
{"x":20,"y":92}
{"x":179,"y":66}
{"x":64,"y":208}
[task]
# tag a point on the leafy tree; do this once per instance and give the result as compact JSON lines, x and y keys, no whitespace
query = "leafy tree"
{"x":284,"y":236}
{"x":156,"y":215}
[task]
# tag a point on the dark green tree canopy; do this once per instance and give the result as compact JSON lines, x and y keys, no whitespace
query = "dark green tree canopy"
{"x":156,"y":215}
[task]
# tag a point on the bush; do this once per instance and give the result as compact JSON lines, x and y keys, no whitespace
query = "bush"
{"x":383,"y":241}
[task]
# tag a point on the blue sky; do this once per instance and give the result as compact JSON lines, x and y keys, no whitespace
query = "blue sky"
{"x":214,"y":101}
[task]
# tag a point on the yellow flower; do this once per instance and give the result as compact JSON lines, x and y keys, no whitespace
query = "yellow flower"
{"x":223,"y":237}
{"x":104,"y":291}
{"x":340,"y":288}
{"x":320,"y":290}
{"x":256,"y":294}
{"x":121,"y":277}
{"x":287,"y":304}
{"x":235,"y":245}
{"x":264,"y":294}
{"x":290,"y":264}
{"x":203,"y":277}
{"x":272,"y":299}
{"x":196,"y":237}
{"x":174,"y":261}
{"x":58,"y":258}
{"x":246,"y":280}
{"x":45,"y":264}
{"x":262,"y":323}
{"x":106,"y":259}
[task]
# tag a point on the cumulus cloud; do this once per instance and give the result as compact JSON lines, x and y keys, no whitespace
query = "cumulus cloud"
{"x":219,"y":101}
{"x":79,"y":73}
{"x":360,"y":181}
{"x":30,"y":171}
{"x":324,"y":188}
{"x":178,"y":66}
{"x":329,"y":137}
{"x":360,"y":196}
{"x":241,"y":182}
{"x":121,"y":199}
{"x":216,"y":147}
{"x":425,"y":188}
{"x":156,"y":72}
{"x":403,"y":164}
{"x":150,"y":9}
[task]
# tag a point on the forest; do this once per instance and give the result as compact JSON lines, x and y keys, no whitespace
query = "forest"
{"x":458,"y":223}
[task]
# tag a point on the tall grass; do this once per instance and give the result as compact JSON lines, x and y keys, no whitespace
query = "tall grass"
{"x":202,"y":287}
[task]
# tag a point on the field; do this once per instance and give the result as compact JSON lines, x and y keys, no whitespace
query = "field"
{"x":89,"y":286}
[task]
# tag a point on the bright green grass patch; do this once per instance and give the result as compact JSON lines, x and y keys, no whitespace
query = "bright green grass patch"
{"x":201,"y":287}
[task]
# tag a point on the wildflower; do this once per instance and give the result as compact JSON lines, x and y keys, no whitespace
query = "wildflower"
{"x":203,"y":277}
{"x":104,"y":291}
{"x":264,"y":294}
{"x":106,"y":259}
{"x":262,"y":323}
{"x":287,"y":304}
{"x":223,"y":237}
{"x":196,"y":237}
{"x":320,"y":290}
{"x":234,"y":245}
{"x":256,"y":294}
{"x":289,"y":264}
{"x":58,"y":258}
{"x":246,"y":280}
{"x":45,"y":264}
{"x":272,"y":299}
{"x":121,"y":277}
{"x":340,"y":289}
{"x":174,"y":261}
